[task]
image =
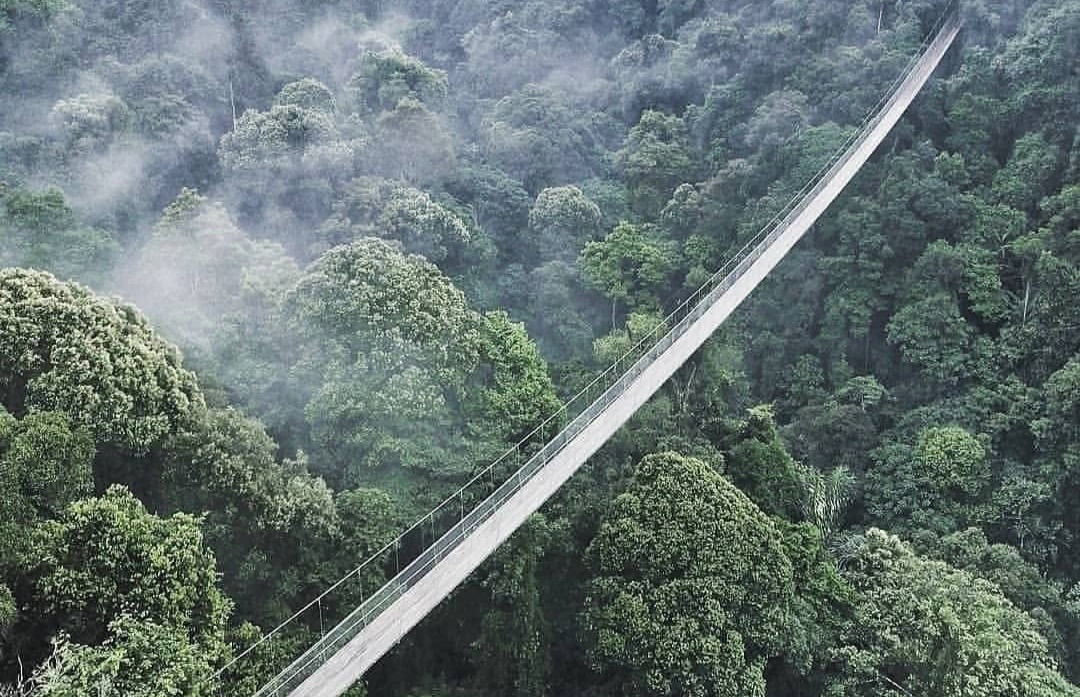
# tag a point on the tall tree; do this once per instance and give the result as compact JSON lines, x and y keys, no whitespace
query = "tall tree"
{"x":108,"y":573}
{"x":632,"y":264}
{"x":38,"y":229}
{"x":654,"y":160}
{"x":692,"y":588}
{"x":922,"y":628}
{"x":62,"y":348}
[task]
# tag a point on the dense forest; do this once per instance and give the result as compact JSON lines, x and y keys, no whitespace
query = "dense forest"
{"x":276,"y":276}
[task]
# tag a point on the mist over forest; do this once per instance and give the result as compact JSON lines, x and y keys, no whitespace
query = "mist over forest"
{"x":277,"y":276}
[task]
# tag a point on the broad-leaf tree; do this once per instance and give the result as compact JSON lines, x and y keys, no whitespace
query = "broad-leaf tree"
{"x":692,"y":588}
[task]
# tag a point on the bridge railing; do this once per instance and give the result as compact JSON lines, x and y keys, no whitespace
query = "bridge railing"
{"x":431,"y":538}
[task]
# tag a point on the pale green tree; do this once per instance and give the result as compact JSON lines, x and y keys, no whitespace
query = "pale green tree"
{"x":692,"y":589}
{"x":654,"y":160}
{"x":131,"y":598}
{"x":108,"y":557}
{"x":632,"y":265}
{"x":38,"y":229}
{"x":400,"y":372}
{"x":561,"y":221}
{"x":938,"y":483}
{"x":139,"y":659}
{"x":90,"y":122}
{"x":923,"y":628}
{"x":307,"y":93}
{"x":383,"y":78}
{"x":392,"y":210}
{"x":62,"y":348}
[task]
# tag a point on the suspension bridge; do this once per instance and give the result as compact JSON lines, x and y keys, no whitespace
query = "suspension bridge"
{"x":441,"y":549}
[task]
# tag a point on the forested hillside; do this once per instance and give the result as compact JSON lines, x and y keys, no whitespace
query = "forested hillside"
{"x":276,"y":276}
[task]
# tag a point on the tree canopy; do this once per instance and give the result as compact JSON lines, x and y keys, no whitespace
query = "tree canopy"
{"x":365,"y":248}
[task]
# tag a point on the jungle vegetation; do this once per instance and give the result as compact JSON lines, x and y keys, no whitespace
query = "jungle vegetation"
{"x":278,"y":275}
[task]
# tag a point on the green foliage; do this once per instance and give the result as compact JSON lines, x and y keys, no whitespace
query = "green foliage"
{"x":561,"y":221}
{"x":226,"y":465}
{"x":560,"y":327}
{"x":8,"y":610}
{"x":832,"y":435}
{"x":133,"y":597}
{"x":372,"y":207}
{"x":506,"y":50}
{"x":939,"y":484}
{"x":781,"y":115}
{"x":761,"y":467}
{"x":642,"y":330}
{"x":38,"y":229}
{"x":287,"y":158}
{"x":1058,"y":438}
{"x":369,"y":520}
{"x":1020,"y":581}
{"x":953,"y":459}
{"x":369,"y":293}
{"x":406,"y":374}
{"x":924,"y":628}
{"x":45,"y":464}
{"x":537,"y":137}
{"x":654,"y":160}
{"x":498,"y":204}
{"x":258,"y":512}
{"x":692,"y":586}
{"x":919,"y":346}
{"x":108,"y":558}
{"x":933,"y":336}
{"x":91,"y":122}
{"x":825,"y":496}
{"x":282,"y":137}
{"x":170,"y":97}
{"x":1058,"y":423}
{"x":140,"y":659}
{"x":307,"y":93}
{"x":386,"y":77}
{"x":821,"y":607}
{"x":631,"y":264}
{"x":864,"y":391}
{"x":64,"y":349}
{"x":512,"y":647}
{"x":264,"y":661}
{"x":519,"y":393}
